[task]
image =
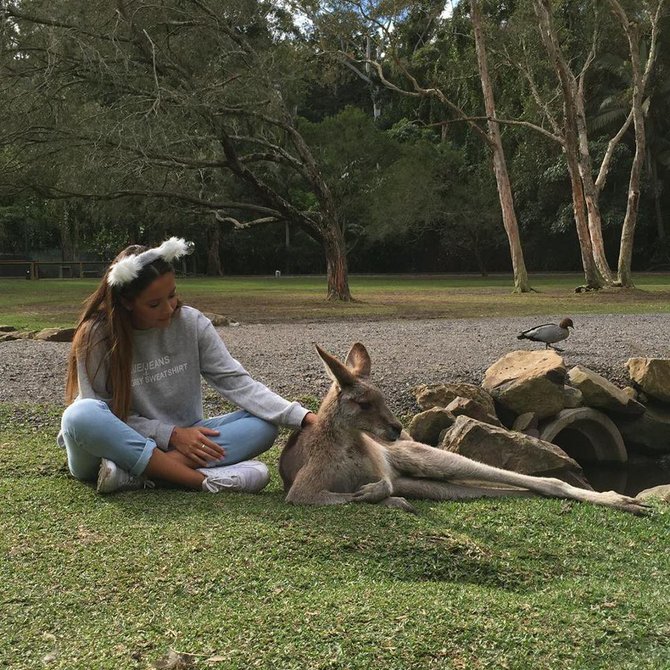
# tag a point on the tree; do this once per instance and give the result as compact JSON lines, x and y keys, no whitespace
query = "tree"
{"x":455,"y":204}
{"x":640,"y":77}
{"x":150,"y":95}
{"x":571,"y":132}
{"x":375,"y":21}
{"x":499,"y":162}
{"x":593,"y":259}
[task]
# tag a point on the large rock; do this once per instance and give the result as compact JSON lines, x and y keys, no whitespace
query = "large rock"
{"x":648,"y":433}
{"x":601,"y":393}
{"x":511,"y":450}
{"x":526,"y":423}
{"x":473,"y":409}
{"x":528,"y":381}
{"x":440,"y":395}
{"x":573,"y":397}
{"x":55,"y":335}
{"x":661,"y":493}
{"x":218,"y":320}
{"x":652,"y":375}
{"x":427,"y":426}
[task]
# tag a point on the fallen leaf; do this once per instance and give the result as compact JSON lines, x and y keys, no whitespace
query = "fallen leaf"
{"x":175,"y":660}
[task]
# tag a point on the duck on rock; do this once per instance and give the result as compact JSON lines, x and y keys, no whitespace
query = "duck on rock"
{"x":549,"y":333}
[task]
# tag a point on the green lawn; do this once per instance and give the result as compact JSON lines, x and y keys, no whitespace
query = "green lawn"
{"x":54,"y":302}
{"x":117,"y":581}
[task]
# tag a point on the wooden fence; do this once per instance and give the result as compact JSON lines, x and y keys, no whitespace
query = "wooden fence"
{"x":64,"y":269}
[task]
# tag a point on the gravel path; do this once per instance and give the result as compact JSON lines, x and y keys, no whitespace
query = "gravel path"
{"x":404,"y":353}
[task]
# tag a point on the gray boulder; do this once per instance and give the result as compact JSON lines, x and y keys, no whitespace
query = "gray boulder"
{"x":55,"y":335}
{"x":218,"y":320}
{"x":465,"y":406}
{"x":528,"y":381}
{"x":573,"y":397}
{"x":511,"y":450}
{"x":661,"y":493}
{"x":648,"y":433}
{"x":440,"y":395}
{"x":426,"y":426}
{"x":652,"y":375}
{"x":601,"y":393}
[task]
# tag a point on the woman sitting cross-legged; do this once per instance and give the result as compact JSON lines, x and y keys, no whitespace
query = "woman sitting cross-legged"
{"x":135,"y":366}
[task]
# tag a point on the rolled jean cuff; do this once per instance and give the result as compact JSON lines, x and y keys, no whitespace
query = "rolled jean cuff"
{"x":142,"y":462}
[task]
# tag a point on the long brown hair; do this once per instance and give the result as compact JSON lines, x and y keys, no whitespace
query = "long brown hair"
{"x":106,"y":322}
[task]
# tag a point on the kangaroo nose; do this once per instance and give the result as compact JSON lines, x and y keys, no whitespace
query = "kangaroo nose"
{"x":394,"y":432}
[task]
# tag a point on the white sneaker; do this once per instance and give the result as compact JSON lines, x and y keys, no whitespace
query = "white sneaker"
{"x":247,"y":476}
{"x":112,"y":478}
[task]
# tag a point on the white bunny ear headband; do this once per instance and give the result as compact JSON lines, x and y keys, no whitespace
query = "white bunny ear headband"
{"x":128,"y":268}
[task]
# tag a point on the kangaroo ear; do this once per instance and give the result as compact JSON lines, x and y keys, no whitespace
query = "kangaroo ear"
{"x":358,"y":360}
{"x":342,"y":376}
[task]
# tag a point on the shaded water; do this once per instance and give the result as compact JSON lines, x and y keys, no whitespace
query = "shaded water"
{"x":628,"y":478}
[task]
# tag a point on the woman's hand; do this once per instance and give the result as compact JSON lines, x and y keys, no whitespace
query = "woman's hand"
{"x":310,"y":418}
{"x":195,"y":445}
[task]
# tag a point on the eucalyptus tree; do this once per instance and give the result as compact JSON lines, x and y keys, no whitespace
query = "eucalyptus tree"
{"x":402,"y":59}
{"x":573,"y":35}
{"x":630,"y":18}
{"x":171,"y":100}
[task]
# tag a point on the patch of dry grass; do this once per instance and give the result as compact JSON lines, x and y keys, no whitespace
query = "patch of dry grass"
{"x":263,"y":299}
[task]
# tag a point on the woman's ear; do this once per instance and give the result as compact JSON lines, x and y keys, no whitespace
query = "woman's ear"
{"x":127,"y":304}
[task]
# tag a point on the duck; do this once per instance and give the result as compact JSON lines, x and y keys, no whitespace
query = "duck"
{"x":548,"y":333}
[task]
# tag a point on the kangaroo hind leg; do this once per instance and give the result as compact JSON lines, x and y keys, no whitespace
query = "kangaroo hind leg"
{"x":420,"y":460}
{"x":432,"y":489}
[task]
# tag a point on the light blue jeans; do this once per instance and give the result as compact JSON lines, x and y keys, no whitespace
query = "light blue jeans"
{"x":90,"y":432}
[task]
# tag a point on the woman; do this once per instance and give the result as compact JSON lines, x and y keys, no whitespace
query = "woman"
{"x":135,"y":366}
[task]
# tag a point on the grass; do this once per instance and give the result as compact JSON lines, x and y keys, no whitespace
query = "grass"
{"x":118,"y":581}
{"x":242,"y":581}
{"x":44,"y":303}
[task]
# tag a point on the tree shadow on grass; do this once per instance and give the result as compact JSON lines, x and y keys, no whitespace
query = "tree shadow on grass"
{"x":386,"y":544}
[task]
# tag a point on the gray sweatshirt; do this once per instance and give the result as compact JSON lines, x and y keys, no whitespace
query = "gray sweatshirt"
{"x":165,"y":377}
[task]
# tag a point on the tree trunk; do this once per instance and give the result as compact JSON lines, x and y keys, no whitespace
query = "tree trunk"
{"x":591,"y":193}
{"x":68,"y":246}
{"x":591,"y":274}
{"x":214,"y":268}
{"x":640,"y":78}
{"x":625,"y":277}
{"x":337,"y":272}
{"x":570,"y":139}
{"x":499,"y":163}
{"x":479,"y":259}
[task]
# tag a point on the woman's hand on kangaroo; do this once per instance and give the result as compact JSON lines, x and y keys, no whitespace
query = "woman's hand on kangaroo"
{"x":195,"y":445}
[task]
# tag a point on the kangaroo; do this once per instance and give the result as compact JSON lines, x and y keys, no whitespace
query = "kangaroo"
{"x":357,"y":451}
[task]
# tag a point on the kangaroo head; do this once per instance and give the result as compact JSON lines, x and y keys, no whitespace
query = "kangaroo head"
{"x":354,"y":402}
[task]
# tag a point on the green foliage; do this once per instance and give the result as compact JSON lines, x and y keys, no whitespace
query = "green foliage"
{"x":81,"y":112}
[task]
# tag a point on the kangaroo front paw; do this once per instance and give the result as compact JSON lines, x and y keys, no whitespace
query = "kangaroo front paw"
{"x":399,"y":503}
{"x":373,"y":492}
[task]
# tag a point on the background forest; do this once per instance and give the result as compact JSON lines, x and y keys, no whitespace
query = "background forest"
{"x":313,"y":137}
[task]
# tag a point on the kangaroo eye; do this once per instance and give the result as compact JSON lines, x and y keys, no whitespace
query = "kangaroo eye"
{"x":364,"y":405}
